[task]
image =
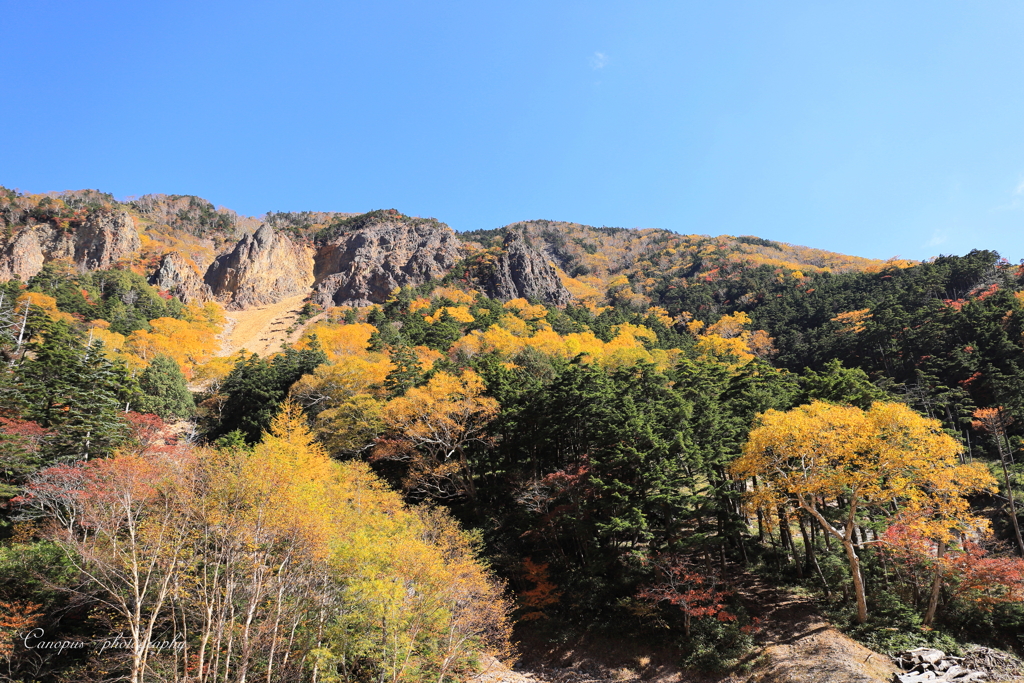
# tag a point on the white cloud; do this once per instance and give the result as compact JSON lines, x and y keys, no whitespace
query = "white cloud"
{"x":938,"y":237}
{"x":1015,"y":202}
{"x":599,"y":60}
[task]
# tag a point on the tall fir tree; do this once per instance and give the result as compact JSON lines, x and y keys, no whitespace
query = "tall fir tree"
{"x":165,"y":390}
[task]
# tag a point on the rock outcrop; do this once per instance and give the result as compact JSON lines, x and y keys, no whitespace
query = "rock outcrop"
{"x":374,"y":253}
{"x":23,"y":257}
{"x":522,"y":272}
{"x":102,"y":239}
{"x":977,"y":664}
{"x":355,"y":260}
{"x":177,"y":276}
{"x":263,"y":268}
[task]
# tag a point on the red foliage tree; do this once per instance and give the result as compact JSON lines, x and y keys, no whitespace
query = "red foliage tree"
{"x":696,"y":590}
{"x":968,"y":573}
{"x":148,"y":430}
{"x":543,"y":593}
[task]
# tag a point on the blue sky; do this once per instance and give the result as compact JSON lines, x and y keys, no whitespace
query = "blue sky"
{"x":869,"y":128}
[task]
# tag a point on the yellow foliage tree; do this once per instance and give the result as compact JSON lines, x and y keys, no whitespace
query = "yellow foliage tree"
{"x":439,"y":420}
{"x":427,"y":357}
{"x":344,"y":398}
{"x":853,"y":321}
{"x":47,"y":304}
{"x":729,"y":326}
{"x":729,"y":342}
{"x":525,"y":310}
{"x":495,"y":339}
{"x":113,"y":344}
{"x":515,"y":325}
{"x":189,"y":343}
{"x":458,"y":313}
{"x":456,"y":296}
{"x":662,"y":316}
{"x":730,"y":351}
{"x":210,"y":314}
{"x":338,"y":340}
{"x":585,"y":343}
{"x":870,"y":460}
{"x":588,"y":290}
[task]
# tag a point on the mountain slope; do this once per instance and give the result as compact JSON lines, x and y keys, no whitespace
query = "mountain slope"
{"x":194,"y":250}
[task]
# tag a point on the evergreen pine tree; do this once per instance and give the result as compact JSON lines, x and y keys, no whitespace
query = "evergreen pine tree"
{"x":165,"y":389}
{"x":73,"y":390}
{"x":92,"y":423}
{"x":256,"y":387}
{"x":407,"y":373}
{"x":443,"y":333}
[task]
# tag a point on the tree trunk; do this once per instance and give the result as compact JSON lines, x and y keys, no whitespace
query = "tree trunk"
{"x":1013,"y":506}
{"x":851,"y":553}
{"x":998,"y":433}
{"x":933,"y":601}
{"x":786,"y":536}
{"x":858,"y":581}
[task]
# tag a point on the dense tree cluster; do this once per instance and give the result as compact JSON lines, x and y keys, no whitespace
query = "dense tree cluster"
{"x":699,"y":412}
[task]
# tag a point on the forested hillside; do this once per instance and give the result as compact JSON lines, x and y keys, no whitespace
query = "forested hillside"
{"x":539,"y":432}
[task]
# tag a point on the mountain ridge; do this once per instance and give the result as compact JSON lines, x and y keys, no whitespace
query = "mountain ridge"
{"x":198,"y":252}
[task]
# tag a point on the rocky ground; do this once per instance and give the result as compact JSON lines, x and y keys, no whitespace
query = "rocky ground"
{"x":262,"y":330}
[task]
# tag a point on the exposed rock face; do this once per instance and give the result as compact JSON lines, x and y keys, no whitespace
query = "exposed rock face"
{"x":379,"y":252}
{"x":357,"y":260}
{"x":178,"y":277}
{"x":103,"y":239}
{"x":522,"y":271}
{"x":262,"y":269}
{"x":24,"y":256}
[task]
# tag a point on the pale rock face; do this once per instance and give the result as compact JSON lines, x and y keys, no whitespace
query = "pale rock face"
{"x":178,"y":277}
{"x":24,"y":257}
{"x":522,"y":272}
{"x":365,"y":265}
{"x":104,"y":239}
{"x":361,"y":265}
{"x":263,"y":268}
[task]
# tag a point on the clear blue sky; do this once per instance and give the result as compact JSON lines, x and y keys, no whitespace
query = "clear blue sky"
{"x":870,"y":128}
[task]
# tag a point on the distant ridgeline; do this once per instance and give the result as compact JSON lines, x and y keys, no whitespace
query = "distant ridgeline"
{"x":581,"y":396}
{"x":185,"y":246}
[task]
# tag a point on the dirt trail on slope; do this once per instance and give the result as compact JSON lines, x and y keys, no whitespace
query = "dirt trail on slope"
{"x":798,"y":645}
{"x":795,"y":645}
{"x":262,"y":330}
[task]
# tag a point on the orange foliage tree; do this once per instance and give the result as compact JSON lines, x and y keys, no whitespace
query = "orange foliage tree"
{"x":967,"y":571}
{"x":16,"y":618}
{"x":543,"y":594}
{"x":119,"y":527}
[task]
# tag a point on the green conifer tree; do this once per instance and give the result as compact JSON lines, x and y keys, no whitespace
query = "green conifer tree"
{"x":165,"y":390}
{"x":407,"y":373}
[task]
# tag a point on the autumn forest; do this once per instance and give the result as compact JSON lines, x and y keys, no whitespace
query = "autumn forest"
{"x":563,"y":430}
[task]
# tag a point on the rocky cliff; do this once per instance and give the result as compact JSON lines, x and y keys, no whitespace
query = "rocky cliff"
{"x":263,"y":268}
{"x":101,"y":239}
{"x":104,"y":239}
{"x":522,"y":272}
{"x":177,"y":276}
{"x":365,"y":258}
